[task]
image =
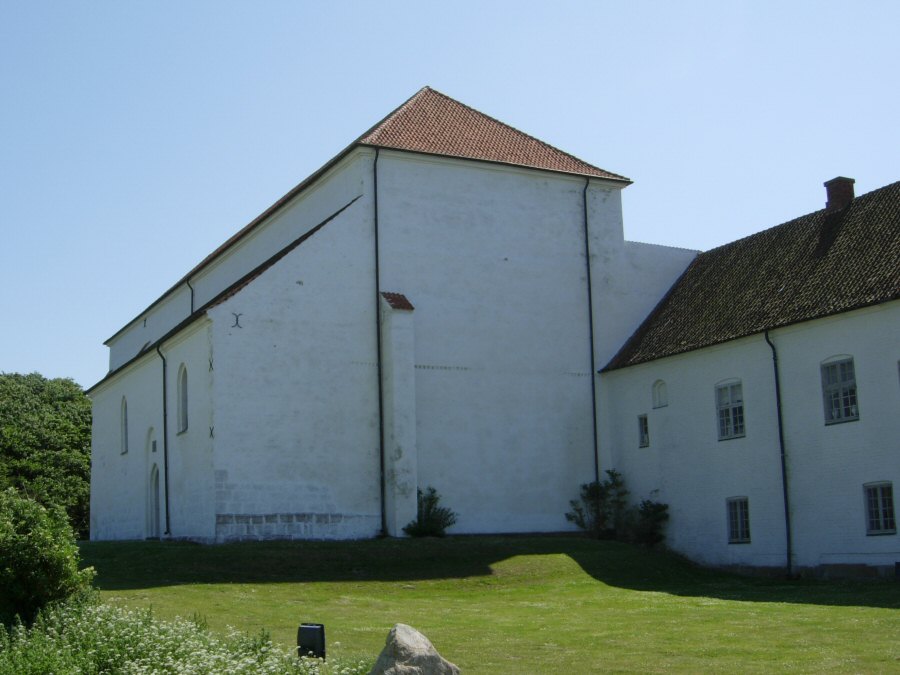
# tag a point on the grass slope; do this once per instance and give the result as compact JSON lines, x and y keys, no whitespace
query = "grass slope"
{"x":515,"y":604}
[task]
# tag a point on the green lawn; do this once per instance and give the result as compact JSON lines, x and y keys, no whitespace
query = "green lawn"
{"x":516,"y":604}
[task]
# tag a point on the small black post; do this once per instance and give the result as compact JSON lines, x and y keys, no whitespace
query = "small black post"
{"x":311,"y":640}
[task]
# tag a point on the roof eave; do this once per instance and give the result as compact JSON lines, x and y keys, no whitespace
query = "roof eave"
{"x":619,"y":180}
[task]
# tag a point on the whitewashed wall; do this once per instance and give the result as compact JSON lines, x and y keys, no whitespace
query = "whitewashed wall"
{"x":284,"y":438}
{"x":493,"y":259}
{"x":688,"y":468}
{"x":336,"y":187}
{"x":120,"y":482}
{"x":829,"y":464}
{"x":191,"y":488}
{"x":296,"y":422}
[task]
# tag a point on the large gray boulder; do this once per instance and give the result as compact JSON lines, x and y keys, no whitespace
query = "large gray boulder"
{"x":408,"y":652}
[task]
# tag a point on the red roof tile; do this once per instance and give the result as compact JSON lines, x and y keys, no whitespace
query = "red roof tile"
{"x":397,"y":301}
{"x":435,"y":124}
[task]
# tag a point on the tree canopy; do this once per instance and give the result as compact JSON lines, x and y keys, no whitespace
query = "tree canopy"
{"x":45,"y":442}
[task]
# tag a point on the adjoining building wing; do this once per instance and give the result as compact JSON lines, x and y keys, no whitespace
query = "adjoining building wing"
{"x":834,"y":260}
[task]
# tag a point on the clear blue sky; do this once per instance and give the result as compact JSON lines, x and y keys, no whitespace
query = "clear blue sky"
{"x":135,"y":137}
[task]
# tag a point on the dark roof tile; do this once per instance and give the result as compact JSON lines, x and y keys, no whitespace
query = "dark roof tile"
{"x":820,"y":264}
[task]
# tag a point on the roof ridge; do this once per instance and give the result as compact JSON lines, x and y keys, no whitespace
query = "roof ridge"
{"x":810,"y":214}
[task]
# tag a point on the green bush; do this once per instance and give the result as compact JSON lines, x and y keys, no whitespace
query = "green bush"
{"x":602,"y":510}
{"x":85,"y":636}
{"x":38,"y":557}
{"x":647,"y":527}
{"x":431,"y":520}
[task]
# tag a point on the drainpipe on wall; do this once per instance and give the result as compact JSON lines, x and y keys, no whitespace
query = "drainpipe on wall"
{"x":165,"y":439}
{"x":784,"y":477}
{"x":594,"y":375}
{"x":188,"y":282}
{"x":378,"y":347}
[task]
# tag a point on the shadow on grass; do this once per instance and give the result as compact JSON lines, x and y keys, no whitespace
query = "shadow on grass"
{"x":137,"y":565}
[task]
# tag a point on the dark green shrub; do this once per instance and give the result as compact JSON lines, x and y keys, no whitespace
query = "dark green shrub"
{"x":431,"y":520}
{"x":648,"y":525}
{"x":601,"y":508}
{"x":38,"y":557}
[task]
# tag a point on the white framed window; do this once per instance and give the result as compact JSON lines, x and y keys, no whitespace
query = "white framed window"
{"x":643,"y":432}
{"x":738,"y":520}
{"x":660,"y":394}
{"x":730,"y":410}
{"x":839,"y":391}
{"x":182,"y":399}
{"x":123,"y":426}
{"x":880,"y":508}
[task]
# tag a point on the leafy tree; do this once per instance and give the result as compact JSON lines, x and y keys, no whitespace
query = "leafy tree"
{"x":38,"y":557}
{"x":45,"y":442}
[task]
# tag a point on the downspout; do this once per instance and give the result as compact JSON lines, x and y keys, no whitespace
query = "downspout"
{"x":784,"y":478}
{"x":165,"y":439}
{"x":378,"y":347}
{"x":188,"y":282}
{"x":594,"y":375}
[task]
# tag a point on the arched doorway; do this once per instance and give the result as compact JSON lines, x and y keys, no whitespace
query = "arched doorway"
{"x":153,"y":504}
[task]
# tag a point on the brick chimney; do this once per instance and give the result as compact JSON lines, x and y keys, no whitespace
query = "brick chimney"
{"x":839,"y":192}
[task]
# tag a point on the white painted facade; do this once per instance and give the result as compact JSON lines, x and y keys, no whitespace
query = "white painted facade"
{"x":689,"y":468}
{"x":315,"y":407}
{"x":489,"y":376}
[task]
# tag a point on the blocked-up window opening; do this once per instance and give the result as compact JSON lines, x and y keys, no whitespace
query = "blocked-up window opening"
{"x":123,"y":424}
{"x":182,"y":399}
{"x":660,"y":394}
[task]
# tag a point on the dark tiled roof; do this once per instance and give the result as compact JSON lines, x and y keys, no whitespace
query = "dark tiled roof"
{"x":435,"y":124}
{"x":819,"y":264}
{"x":397,"y":301}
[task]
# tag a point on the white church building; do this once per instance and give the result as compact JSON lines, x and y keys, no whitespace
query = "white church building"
{"x":450,"y":302}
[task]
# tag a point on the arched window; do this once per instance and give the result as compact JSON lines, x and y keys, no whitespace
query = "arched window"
{"x":123,"y":426}
{"x":182,"y":399}
{"x":660,"y":394}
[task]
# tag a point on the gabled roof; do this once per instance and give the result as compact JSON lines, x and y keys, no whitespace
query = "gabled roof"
{"x":430,"y":123}
{"x":820,"y":264}
{"x":435,"y":124}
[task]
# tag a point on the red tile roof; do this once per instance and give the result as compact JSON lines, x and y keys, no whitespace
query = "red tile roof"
{"x":397,"y":301}
{"x":435,"y":124}
{"x":817,"y":265}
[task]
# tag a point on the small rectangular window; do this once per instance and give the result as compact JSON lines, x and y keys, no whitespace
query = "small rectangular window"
{"x":643,"y":431}
{"x":880,"y":509}
{"x":730,"y":410}
{"x":839,"y":392}
{"x":738,"y":520}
